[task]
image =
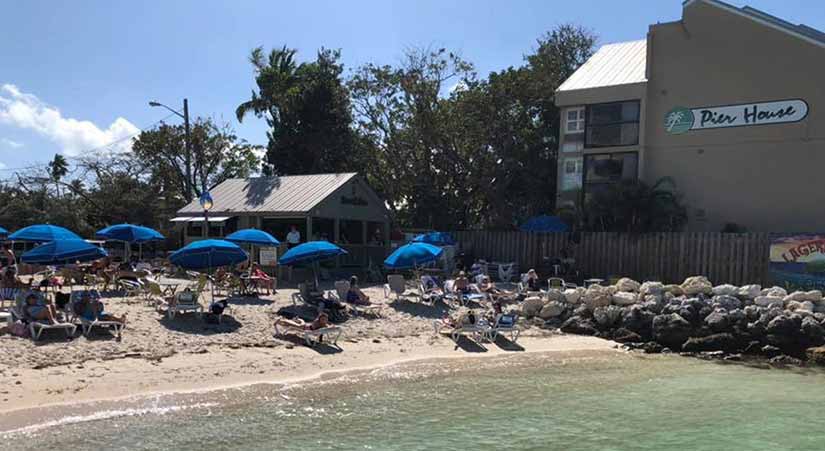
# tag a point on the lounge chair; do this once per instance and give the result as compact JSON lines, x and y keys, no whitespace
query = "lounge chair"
{"x":426,"y":294}
{"x":311,"y":337}
{"x":185,"y":301}
{"x":341,"y":290}
{"x":505,"y":324}
{"x":505,"y":272}
{"x":36,"y":327}
{"x":395,"y":284}
{"x":86,"y":324}
{"x":303,"y":296}
{"x":8,"y":294}
{"x":130,"y":288}
{"x":451,"y":294}
{"x":477,"y":330}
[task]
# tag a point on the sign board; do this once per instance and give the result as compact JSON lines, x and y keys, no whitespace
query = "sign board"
{"x":798,"y":261}
{"x":682,"y":120}
{"x":268,"y":256}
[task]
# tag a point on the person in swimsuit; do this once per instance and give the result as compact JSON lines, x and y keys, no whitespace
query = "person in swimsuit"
{"x":355,"y":295}
{"x":39,"y":311}
{"x":93,"y":310}
{"x":320,"y":322}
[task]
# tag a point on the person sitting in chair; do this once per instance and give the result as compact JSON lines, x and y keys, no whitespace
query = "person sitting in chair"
{"x":431,"y":289}
{"x":532,"y":282}
{"x":38,"y":310}
{"x":355,"y":295}
{"x":92,"y":309}
{"x":462,"y":283}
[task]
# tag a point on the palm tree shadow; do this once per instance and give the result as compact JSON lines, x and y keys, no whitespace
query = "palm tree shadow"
{"x":258,"y":189}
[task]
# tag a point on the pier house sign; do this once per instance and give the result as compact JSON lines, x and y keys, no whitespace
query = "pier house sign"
{"x":682,"y":120}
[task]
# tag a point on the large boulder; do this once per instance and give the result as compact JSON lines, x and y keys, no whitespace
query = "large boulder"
{"x":578,"y":325}
{"x":607,"y":316}
{"x":816,"y":355}
{"x":624,"y":298}
{"x":714,"y":342}
{"x":651,"y":288}
{"x":769,"y":301}
{"x":696,"y":285}
{"x":784,"y":325}
{"x":554,"y":295}
{"x":531,"y":306}
{"x":671,"y":330}
{"x":628,"y":285}
{"x":596,"y":296}
{"x":749,"y":291}
{"x":812,"y":331}
{"x":726,"y":302}
{"x":717,"y":321}
{"x":551,"y":309}
{"x":638,"y":320}
{"x":814,"y":296}
{"x":725,"y":290}
{"x":777,"y":292}
{"x":675,"y":290}
{"x":573,"y":295}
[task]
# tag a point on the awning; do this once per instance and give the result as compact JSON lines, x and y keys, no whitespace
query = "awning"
{"x":199,"y":219}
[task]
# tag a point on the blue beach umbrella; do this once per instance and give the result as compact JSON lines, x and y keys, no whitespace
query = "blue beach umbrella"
{"x":62,"y":252}
{"x":43,"y":233}
{"x":253,"y":236}
{"x":310,"y":252}
{"x":3,"y":233}
{"x":207,"y":254}
{"x":413,"y":254}
{"x":129,"y":233}
{"x":435,"y":238}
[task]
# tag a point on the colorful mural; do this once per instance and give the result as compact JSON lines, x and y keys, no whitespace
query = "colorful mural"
{"x":798,"y":261}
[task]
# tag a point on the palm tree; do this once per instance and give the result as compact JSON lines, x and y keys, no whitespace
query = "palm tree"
{"x":58,"y":168}
{"x":634,"y":206}
{"x":275,"y":76}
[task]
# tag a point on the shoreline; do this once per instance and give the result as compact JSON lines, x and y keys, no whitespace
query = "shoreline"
{"x":49,"y":391}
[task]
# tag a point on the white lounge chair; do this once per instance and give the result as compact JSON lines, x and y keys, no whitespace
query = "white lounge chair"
{"x":505,"y":324}
{"x":36,"y":327}
{"x":185,"y":301}
{"x":505,"y":272}
{"x":311,"y":337}
{"x":395,"y":284}
{"x":476,"y":329}
{"x":88,"y":324}
{"x":341,"y":290}
{"x":451,"y":294}
{"x":427,"y":294}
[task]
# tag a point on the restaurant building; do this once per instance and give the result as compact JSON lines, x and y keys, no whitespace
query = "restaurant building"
{"x":340,"y":208}
{"x":726,"y":101}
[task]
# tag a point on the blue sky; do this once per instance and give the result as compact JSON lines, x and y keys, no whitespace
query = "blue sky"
{"x":77,"y":75}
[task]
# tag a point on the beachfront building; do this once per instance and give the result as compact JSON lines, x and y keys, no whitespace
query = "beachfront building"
{"x":340,"y":208}
{"x":727,"y":101}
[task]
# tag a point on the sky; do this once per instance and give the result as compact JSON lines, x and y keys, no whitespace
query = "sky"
{"x":76,"y":76}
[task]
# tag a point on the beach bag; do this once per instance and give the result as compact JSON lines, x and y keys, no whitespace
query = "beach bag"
{"x":19,"y":329}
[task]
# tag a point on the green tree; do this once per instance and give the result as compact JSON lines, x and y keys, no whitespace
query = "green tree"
{"x":58,"y":168}
{"x":307,"y":109}
{"x":636,"y":207}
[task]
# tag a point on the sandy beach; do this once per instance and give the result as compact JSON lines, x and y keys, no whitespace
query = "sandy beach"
{"x":157,"y":355}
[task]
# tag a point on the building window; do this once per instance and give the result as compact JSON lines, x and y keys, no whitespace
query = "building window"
{"x":574,"y":122}
{"x":612,"y":124}
{"x":601,"y":171}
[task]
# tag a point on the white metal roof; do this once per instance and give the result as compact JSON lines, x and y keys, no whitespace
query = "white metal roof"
{"x":199,"y":219}
{"x":284,"y":194}
{"x":613,"y":64}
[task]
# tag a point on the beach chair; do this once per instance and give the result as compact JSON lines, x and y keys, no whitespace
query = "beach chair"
{"x":476,"y":330}
{"x":36,"y":327}
{"x":311,"y":337}
{"x":450,"y":294}
{"x":425,"y":294}
{"x":505,"y":272}
{"x":87,"y":325}
{"x":185,"y":301}
{"x":8,"y":295}
{"x":341,"y":290}
{"x":395,"y":284}
{"x":130,"y":288}
{"x":505,"y":325}
{"x":302,"y":296}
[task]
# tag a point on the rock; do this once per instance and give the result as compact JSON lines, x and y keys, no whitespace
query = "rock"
{"x":653,"y":303}
{"x":651,"y":347}
{"x":607,"y":316}
{"x":553,"y":323}
{"x":816,"y":355}
{"x":638,"y":320}
{"x":582,"y":311}
{"x":551,"y":309}
{"x":715,"y":342}
{"x":697,"y":284}
{"x":573,"y":295}
{"x":622,"y":335}
{"x":628,"y":285}
{"x":651,"y":288}
{"x":802,"y":296}
{"x":726,"y":302}
{"x":749,"y":291}
{"x":812,"y":331}
{"x":769,"y":301}
{"x":717,"y":321}
{"x":786,"y":326}
{"x":808,"y":306}
{"x":531,"y":306}
{"x":777,"y":292}
{"x":624,"y":298}
{"x":770,"y":351}
{"x":725,"y":290}
{"x":578,"y":325}
{"x":554,"y":295}
{"x":752,"y":312}
{"x":596,"y":296}
{"x":675,"y":290}
{"x":671,"y":330}
{"x":785,"y":360}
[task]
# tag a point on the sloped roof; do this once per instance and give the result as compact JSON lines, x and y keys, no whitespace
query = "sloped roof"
{"x":801,"y":31}
{"x":613,"y":64}
{"x":285,"y":194}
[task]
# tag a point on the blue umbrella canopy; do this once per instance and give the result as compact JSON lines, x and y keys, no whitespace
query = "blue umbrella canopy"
{"x":129,"y":233}
{"x":3,"y":232}
{"x":310,"y":252}
{"x":207,"y":254}
{"x":43,"y":233}
{"x":253,"y":236}
{"x":63,"y":251}
{"x":413,"y":254}
{"x":544,"y":223}
{"x":435,"y":238}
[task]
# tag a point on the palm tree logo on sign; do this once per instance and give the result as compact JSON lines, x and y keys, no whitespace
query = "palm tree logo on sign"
{"x":679,"y":120}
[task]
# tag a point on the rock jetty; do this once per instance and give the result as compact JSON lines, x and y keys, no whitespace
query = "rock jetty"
{"x":693,"y":318}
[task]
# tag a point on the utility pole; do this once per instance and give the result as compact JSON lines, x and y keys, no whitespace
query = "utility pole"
{"x":188,"y":156}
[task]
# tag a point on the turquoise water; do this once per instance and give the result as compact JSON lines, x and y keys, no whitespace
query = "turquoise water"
{"x":527,"y":402}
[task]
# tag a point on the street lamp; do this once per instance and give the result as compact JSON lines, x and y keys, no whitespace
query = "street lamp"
{"x":188,"y":152}
{"x":206,"y":204}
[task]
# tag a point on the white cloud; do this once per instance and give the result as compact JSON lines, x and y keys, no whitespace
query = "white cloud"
{"x":6,"y":142}
{"x":26,"y":111}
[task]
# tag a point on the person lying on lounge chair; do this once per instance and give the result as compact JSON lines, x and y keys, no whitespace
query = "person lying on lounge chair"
{"x":462,"y":283}
{"x":37,"y":310}
{"x":490,"y":288}
{"x":355,"y":295}
{"x":93,"y":310}
{"x":460,"y":320}
{"x":431,"y":289}
{"x":320,"y":322}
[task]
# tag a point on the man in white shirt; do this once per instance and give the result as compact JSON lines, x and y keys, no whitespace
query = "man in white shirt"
{"x":293,"y":238}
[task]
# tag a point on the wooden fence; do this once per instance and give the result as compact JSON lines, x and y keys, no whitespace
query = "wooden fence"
{"x":669,"y":257}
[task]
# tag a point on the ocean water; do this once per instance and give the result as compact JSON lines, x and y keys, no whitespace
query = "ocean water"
{"x":595,"y":401}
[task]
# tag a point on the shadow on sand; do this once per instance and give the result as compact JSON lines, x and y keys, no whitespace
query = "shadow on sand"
{"x":204,"y":325}
{"x":467,"y":345}
{"x":507,"y":345}
{"x":434,"y":311}
{"x":321,"y":348}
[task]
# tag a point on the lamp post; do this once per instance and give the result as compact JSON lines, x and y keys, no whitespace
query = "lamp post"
{"x":188,"y":144}
{"x":206,"y":204}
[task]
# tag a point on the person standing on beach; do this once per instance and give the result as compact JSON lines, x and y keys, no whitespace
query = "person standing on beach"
{"x":293,"y":238}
